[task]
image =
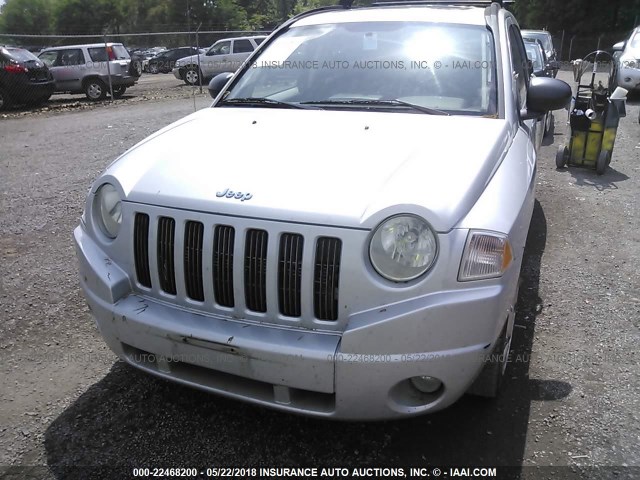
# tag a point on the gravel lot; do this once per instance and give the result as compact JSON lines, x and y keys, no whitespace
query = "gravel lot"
{"x":572,"y":398}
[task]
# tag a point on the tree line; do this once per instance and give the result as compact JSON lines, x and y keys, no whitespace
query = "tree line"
{"x":582,"y":17}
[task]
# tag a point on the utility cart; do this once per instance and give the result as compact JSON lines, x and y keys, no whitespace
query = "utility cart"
{"x":594,"y":119}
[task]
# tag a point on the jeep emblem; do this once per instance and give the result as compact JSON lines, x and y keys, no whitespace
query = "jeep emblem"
{"x":237,"y":195}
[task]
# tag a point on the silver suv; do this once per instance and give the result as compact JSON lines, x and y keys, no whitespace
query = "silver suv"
{"x":226,"y":55}
{"x":86,"y":69}
{"x":365,"y":264}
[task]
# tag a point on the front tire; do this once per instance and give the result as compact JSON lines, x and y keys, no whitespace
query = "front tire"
{"x":490,"y":379}
{"x":95,"y":89}
{"x":548,"y":123}
{"x":192,"y":76}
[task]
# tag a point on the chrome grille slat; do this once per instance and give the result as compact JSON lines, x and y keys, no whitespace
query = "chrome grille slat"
{"x":290,"y":274}
{"x":141,"y":249}
{"x":193,"y":237}
{"x":224,"y":240}
{"x":255,"y":270}
{"x":166,"y":265}
{"x":326,"y":278}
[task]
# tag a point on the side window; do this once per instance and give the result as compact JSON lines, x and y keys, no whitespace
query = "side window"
{"x":258,"y":40}
{"x":49,"y":58}
{"x":71,"y":57}
{"x":98,"y":54}
{"x":222,"y":48}
{"x":242,"y":46}
{"x":519,"y":65}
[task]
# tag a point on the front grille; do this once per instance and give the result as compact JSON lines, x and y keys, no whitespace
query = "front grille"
{"x":223,"y":243}
{"x":290,"y":274}
{"x":193,"y":237}
{"x":141,"y":248}
{"x":282,"y":276}
{"x":326,"y":278}
{"x":166,"y":242}
{"x":255,"y":270}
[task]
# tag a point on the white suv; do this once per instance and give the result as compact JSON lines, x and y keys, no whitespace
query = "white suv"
{"x":226,"y":55}
{"x":627,"y":54}
{"x":359,"y":256}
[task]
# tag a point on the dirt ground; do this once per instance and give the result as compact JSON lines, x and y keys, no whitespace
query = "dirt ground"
{"x":572,"y":396}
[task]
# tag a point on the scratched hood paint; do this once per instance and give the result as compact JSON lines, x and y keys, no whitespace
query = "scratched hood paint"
{"x":341,"y":168}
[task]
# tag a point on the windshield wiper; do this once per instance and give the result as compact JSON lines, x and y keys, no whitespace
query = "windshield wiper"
{"x":380,"y":103}
{"x":262,"y":101}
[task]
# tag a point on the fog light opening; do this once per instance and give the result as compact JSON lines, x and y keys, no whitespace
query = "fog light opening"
{"x":426,"y":384}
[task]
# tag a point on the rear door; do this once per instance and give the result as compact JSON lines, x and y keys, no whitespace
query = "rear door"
{"x":242,"y":48}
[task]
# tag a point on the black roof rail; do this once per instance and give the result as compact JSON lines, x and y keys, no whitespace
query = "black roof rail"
{"x":470,"y":3}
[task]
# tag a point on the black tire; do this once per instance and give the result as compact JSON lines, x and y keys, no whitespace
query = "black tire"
{"x":603,"y":162}
{"x":562,"y":156}
{"x":488,"y":383}
{"x":119,"y":91}
{"x":95,"y":89}
{"x":548,"y":124}
{"x":192,"y":76}
{"x":5,"y":101}
{"x":135,"y":68}
{"x":153,"y":68}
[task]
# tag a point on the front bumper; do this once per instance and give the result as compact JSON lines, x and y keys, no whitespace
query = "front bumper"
{"x":360,"y":373}
{"x":177,"y":72}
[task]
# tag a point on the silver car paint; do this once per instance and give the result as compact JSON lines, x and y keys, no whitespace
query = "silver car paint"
{"x":356,"y":368}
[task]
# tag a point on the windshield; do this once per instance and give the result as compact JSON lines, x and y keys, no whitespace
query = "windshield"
{"x":438,"y":66}
{"x":542,"y":36}
{"x":534,"y":54}
{"x":20,"y":55}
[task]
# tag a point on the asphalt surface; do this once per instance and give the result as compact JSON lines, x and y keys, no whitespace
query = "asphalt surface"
{"x":571,"y":399}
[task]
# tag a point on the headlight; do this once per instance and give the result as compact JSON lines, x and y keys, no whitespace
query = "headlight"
{"x":486,"y":255}
{"x":403,"y":248}
{"x":109,"y":209}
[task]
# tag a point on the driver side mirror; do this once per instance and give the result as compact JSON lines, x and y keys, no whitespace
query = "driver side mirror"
{"x":218,"y":82}
{"x":545,"y":95}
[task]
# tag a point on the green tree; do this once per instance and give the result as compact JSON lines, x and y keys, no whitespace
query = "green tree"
{"x":26,"y":16}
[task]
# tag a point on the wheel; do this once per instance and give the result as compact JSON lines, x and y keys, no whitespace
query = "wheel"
{"x":5,"y":101}
{"x":548,"y":123}
{"x":490,"y":379}
{"x":135,"y":68}
{"x":119,"y":91}
{"x":192,"y":76}
{"x":604,"y":159}
{"x":95,"y":89}
{"x":562,"y":156}
{"x":153,"y":68}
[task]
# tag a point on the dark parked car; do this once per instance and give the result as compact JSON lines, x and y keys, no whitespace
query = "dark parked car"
{"x":546,"y":39}
{"x":164,"y":62}
{"x":23,"y":78}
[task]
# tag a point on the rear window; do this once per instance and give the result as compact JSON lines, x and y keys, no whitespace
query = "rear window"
{"x":20,"y":55}
{"x":98,"y":54}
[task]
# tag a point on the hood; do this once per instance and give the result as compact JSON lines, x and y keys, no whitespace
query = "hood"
{"x":328,"y":167}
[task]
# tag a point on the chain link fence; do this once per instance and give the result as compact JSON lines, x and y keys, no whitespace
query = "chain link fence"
{"x":78,"y":71}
